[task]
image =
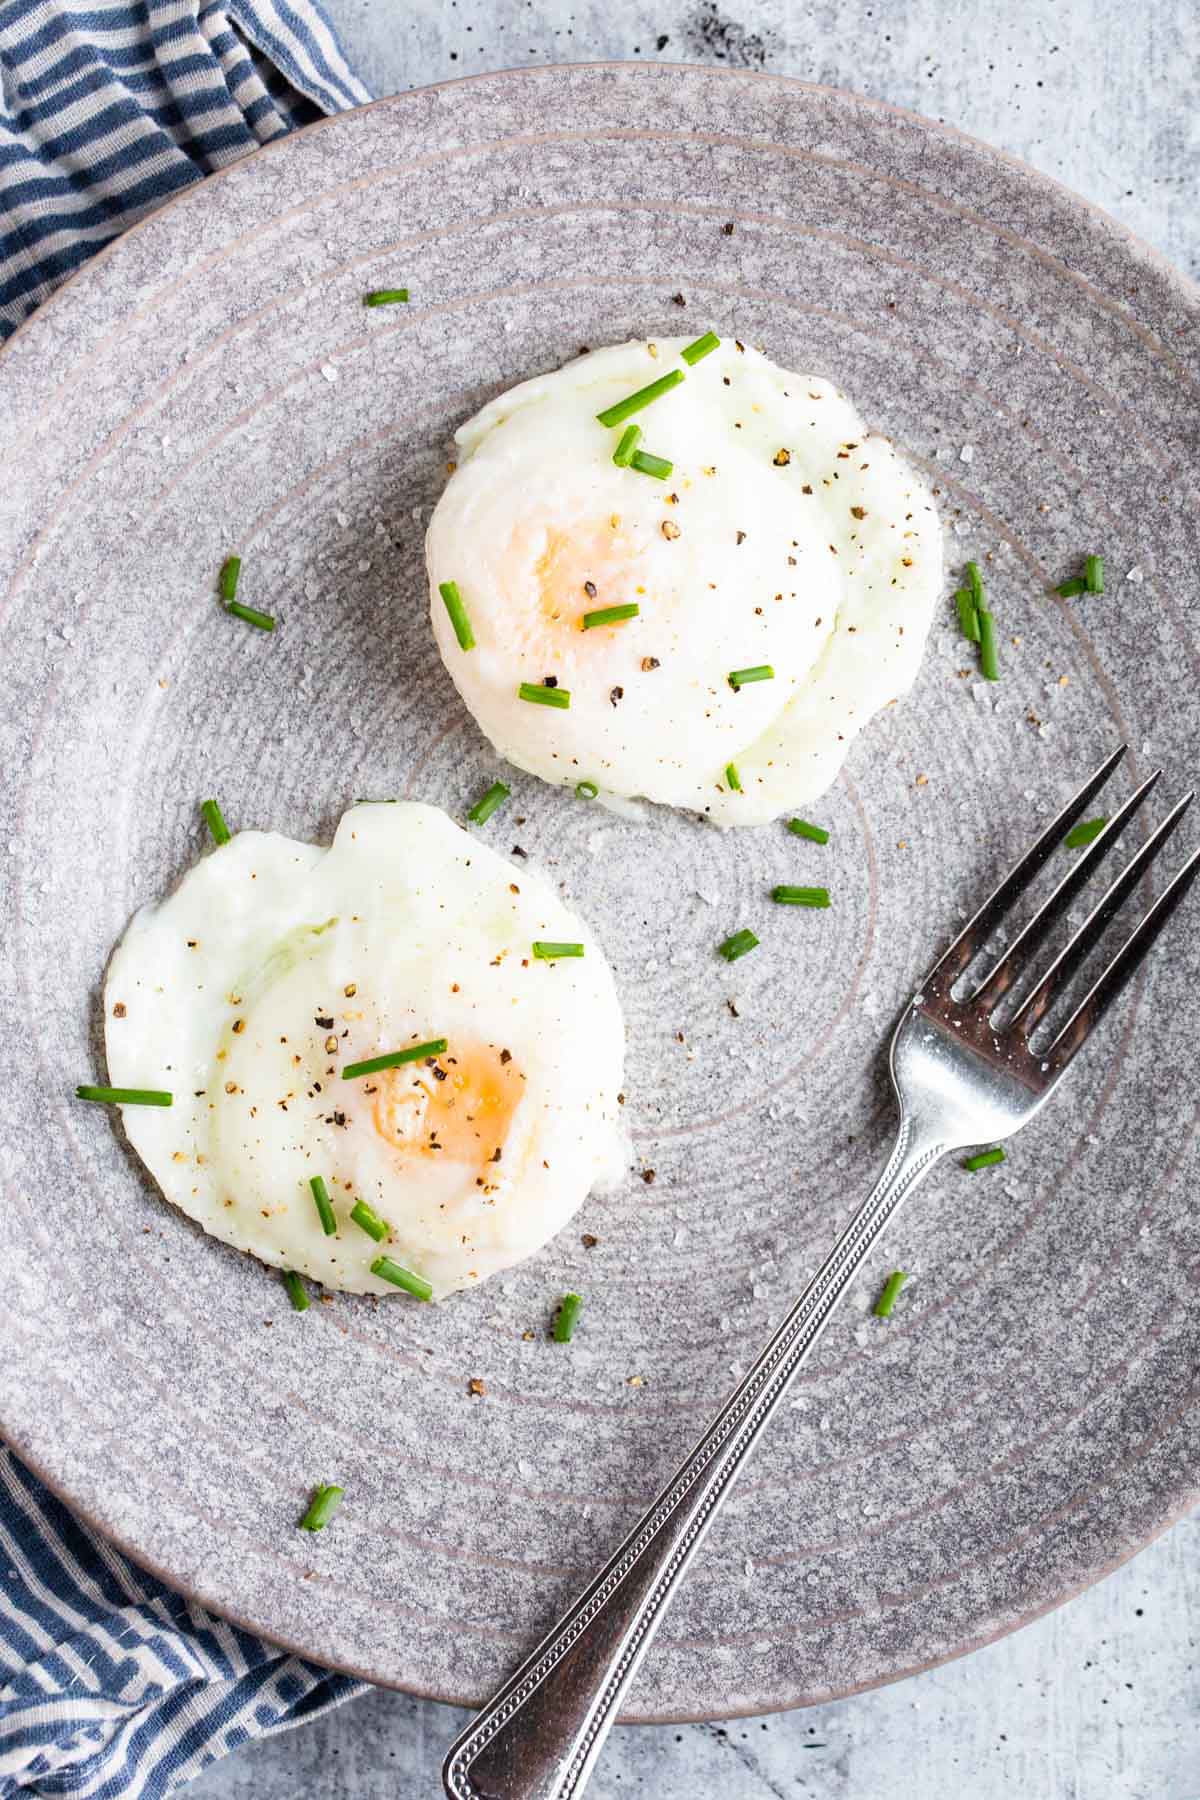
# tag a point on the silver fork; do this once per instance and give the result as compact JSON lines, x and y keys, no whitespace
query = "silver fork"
{"x":960,"y":1080}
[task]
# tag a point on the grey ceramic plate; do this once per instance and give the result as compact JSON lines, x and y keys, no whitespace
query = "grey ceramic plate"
{"x":1025,"y":1420}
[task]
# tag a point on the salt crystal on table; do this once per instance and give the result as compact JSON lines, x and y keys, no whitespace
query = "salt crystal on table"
{"x":967,"y":453}
{"x":343,"y":519}
{"x":364,"y":565}
{"x":329,"y":372}
{"x":979,"y":693}
{"x":680,"y":1238}
{"x":525,"y":1468}
{"x":748,"y":1566}
{"x":823,"y":1422}
{"x":1136,"y":575}
{"x":709,"y":898}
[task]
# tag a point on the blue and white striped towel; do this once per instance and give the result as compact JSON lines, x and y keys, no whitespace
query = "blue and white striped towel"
{"x":110,"y":1685}
{"x":110,"y":107}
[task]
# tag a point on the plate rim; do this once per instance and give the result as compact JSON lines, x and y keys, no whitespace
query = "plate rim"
{"x":1177,"y":280}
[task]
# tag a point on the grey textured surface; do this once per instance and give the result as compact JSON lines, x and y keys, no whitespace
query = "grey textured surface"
{"x":900,"y":751}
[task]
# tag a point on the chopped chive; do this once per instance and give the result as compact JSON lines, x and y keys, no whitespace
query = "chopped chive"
{"x":817,"y":834}
{"x":737,"y":945}
{"x":975,"y":582}
{"x":617,"y":415}
{"x":761,"y":672}
{"x":645,"y":464}
{"x":385,"y":297}
{"x":1083,"y":833}
{"x":891,"y":1288}
{"x":324,"y":1503}
{"x":297,"y":1292}
{"x":107,"y":1096}
{"x":368,"y":1221}
{"x":211,"y":813}
{"x":586,"y":790}
{"x":227,"y":581}
{"x":487,"y":803}
{"x":320,"y":1194}
{"x":1067,"y":590}
{"x":252,"y":616}
{"x":387,"y":1270}
{"x":984,"y":1160}
{"x":458,"y":614}
{"x":394,"y":1059}
{"x":611,"y":615}
{"x":800,"y":896}
{"x":968,"y":614}
{"x":538,"y":695}
{"x":989,"y":666}
{"x":551,"y":952}
{"x":732,"y":779}
{"x":703,"y":346}
{"x":568,"y":1312}
{"x":1093,"y":574}
{"x":630,"y":438}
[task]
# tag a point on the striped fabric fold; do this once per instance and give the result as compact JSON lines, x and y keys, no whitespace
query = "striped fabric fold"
{"x":111,"y":1685}
{"x":110,"y":108}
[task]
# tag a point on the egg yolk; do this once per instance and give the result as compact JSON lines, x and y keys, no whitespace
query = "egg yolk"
{"x":460,"y":1105}
{"x":582,"y":571}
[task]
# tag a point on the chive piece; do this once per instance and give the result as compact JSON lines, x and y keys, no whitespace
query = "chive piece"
{"x":323,"y":1505}
{"x":611,"y":615}
{"x":732,"y":778}
{"x":1093,"y":574}
{"x":586,"y":790}
{"x":737,"y":945}
{"x":891,"y":1288}
{"x":617,"y":415}
{"x":984,"y":1160}
{"x":107,"y":1096}
{"x":488,"y":803}
{"x":211,"y":813}
{"x":968,"y":614}
{"x":800,"y":896}
{"x":569,"y":1308}
{"x":537,"y":695}
{"x":975,"y":582}
{"x":227,"y":581}
{"x":252,"y":616}
{"x":551,"y":952}
{"x":1067,"y":590}
{"x":387,"y":1270}
{"x":989,"y":666}
{"x":1083,"y":833}
{"x":394,"y":1059}
{"x":458,"y":614}
{"x":761,"y":672}
{"x":630,"y":438}
{"x":817,"y":834}
{"x":703,"y":346}
{"x":368,"y":1221}
{"x":297,"y":1292}
{"x":385,"y":297}
{"x":645,"y":464}
{"x":320,"y":1194}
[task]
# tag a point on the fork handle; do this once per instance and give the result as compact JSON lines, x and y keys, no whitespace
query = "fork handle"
{"x":540,"y":1735}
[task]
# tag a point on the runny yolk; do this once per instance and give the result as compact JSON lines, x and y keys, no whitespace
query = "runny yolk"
{"x":459,"y":1105}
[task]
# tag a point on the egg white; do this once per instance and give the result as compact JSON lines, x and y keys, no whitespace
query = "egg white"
{"x":794,"y":539}
{"x":275,"y":964}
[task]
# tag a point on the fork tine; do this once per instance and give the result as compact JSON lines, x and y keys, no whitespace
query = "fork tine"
{"x":951,"y":964}
{"x":1041,"y":997}
{"x":1005,"y":970}
{"x":1090,"y":1012}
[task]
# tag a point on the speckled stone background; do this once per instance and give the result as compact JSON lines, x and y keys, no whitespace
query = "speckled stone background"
{"x":782,"y":1759}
